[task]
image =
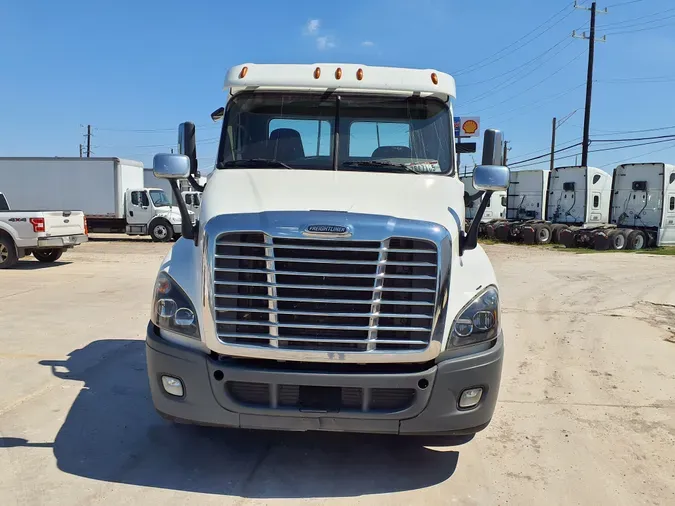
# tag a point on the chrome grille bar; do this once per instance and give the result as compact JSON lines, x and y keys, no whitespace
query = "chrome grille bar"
{"x":316,"y":294}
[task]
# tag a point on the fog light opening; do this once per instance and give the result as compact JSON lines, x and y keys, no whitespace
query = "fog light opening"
{"x":470,"y":398}
{"x":423,"y":383}
{"x":218,"y":375}
{"x":173,"y":386}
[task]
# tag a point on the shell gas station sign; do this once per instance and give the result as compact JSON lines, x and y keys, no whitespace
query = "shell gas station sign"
{"x":467,"y":126}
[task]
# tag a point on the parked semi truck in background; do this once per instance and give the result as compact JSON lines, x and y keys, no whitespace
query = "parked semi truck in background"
{"x":110,"y":192}
{"x":642,"y":213}
{"x":44,"y":234}
{"x":330,"y":283}
{"x":496,"y":206}
{"x":192,"y":198}
{"x":576,"y":199}
{"x":525,"y":202}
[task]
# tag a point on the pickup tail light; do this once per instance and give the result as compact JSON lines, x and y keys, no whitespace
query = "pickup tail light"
{"x":86,"y":227}
{"x":38,"y":224}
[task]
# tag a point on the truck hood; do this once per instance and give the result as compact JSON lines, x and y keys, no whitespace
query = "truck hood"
{"x":433,"y":198}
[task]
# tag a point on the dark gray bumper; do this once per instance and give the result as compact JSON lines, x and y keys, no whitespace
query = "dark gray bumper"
{"x":434,"y":410}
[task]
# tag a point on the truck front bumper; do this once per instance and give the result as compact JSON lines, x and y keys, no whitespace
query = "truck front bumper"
{"x":66,"y":241}
{"x":272,"y":399}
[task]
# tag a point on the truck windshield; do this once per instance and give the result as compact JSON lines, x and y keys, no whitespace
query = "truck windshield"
{"x":159,"y":198}
{"x":375,"y":133}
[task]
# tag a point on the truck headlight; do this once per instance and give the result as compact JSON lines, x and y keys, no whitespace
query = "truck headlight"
{"x":478,"y":321}
{"x":172,"y":309}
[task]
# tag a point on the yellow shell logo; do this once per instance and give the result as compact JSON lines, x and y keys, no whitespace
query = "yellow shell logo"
{"x":470,"y":127}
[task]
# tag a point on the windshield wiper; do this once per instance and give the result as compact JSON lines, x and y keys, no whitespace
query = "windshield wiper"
{"x":378,"y":163}
{"x":254,"y":163}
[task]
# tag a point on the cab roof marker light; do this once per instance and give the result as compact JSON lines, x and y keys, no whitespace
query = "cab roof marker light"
{"x":243,"y":72}
{"x":317,"y":72}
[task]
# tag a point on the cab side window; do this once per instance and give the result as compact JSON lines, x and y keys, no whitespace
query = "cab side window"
{"x":188,"y":199}
{"x":135,"y":198}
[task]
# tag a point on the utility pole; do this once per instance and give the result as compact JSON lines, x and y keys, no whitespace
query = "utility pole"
{"x":506,"y":149}
{"x":589,"y":77}
{"x":555,"y":126}
{"x":80,"y":150}
{"x":88,"y":141}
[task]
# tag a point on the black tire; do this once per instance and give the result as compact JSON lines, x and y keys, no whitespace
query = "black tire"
{"x":490,"y":231}
{"x":601,"y":241}
{"x":502,"y":232}
{"x":617,"y":240}
{"x":636,"y":240}
{"x":8,"y":256}
{"x":555,"y":232}
{"x":542,"y":234}
{"x":48,"y":256}
{"x":568,"y":238}
{"x":160,"y":230}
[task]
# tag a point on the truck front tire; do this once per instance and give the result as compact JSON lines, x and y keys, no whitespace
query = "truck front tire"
{"x":8,"y":255}
{"x":48,"y":256}
{"x":161,"y":231}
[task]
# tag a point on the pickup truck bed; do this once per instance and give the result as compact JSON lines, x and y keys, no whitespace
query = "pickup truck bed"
{"x":44,"y":234}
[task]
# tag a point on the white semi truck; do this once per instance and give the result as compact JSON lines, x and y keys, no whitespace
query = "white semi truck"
{"x":642,"y":213}
{"x":192,"y":198}
{"x":496,"y":206}
{"x":330,"y":283}
{"x":110,"y":191}
{"x":573,"y":199}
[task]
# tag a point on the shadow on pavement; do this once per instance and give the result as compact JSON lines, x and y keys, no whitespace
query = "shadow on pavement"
{"x":112,"y":433}
{"x":34,"y":265}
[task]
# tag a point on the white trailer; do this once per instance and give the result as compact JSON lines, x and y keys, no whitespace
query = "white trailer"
{"x":496,"y":206}
{"x":525,"y":201}
{"x":642,"y":213}
{"x":110,"y":192}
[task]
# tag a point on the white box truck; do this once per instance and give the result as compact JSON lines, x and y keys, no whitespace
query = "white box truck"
{"x":110,"y":192}
{"x":642,"y":212}
{"x":192,"y":198}
{"x":330,"y":283}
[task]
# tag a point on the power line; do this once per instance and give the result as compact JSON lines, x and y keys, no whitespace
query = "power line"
{"x":533,"y":86}
{"x":622,"y":132}
{"x":151,"y":130}
{"x":640,"y":155}
{"x":499,"y":54}
{"x":636,"y":139}
{"x":632,"y":20}
{"x":546,"y":155}
{"x":620,"y":4}
{"x":535,"y":103}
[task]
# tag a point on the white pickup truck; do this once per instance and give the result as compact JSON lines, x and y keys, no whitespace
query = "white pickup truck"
{"x":330,"y":283}
{"x":44,"y":234}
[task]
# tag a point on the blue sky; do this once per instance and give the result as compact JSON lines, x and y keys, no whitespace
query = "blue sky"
{"x":134,"y":70}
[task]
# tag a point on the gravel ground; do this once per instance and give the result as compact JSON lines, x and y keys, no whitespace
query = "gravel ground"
{"x":585,"y":413}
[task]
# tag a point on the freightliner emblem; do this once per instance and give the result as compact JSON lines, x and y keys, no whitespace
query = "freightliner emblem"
{"x":327,"y":230}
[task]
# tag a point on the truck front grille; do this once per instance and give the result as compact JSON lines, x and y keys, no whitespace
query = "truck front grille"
{"x":264,"y":395}
{"x":324,"y":295}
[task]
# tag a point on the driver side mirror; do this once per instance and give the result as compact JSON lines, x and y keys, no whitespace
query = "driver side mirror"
{"x":171,"y":166}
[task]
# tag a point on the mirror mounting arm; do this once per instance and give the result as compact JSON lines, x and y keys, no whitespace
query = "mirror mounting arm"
{"x":187,"y":229}
{"x":469,"y":240}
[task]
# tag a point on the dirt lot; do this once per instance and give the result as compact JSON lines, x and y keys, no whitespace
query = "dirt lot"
{"x":586,"y":411}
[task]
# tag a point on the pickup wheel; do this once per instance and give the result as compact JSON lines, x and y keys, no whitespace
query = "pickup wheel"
{"x":161,"y":230}
{"x":8,"y":256}
{"x":48,"y":256}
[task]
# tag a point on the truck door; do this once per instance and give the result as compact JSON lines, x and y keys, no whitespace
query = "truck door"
{"x":595,"y":216}
{"x":138,"y":207}
{"x":667,"y":232}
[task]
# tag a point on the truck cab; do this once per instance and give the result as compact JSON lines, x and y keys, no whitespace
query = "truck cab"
{"x":193,"y":201}
{"x":149,"y":212}
{"x":330,"y":283}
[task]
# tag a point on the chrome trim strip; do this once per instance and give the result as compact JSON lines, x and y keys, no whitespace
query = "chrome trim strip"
{"x":323,"y":301}
{"x":253,"y":323}
{"x":336,"y":288}
{"x":226,"y":309}
{"x":271,"y":292}
{"x":378,"y":285}
{"x":289,"y":224}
